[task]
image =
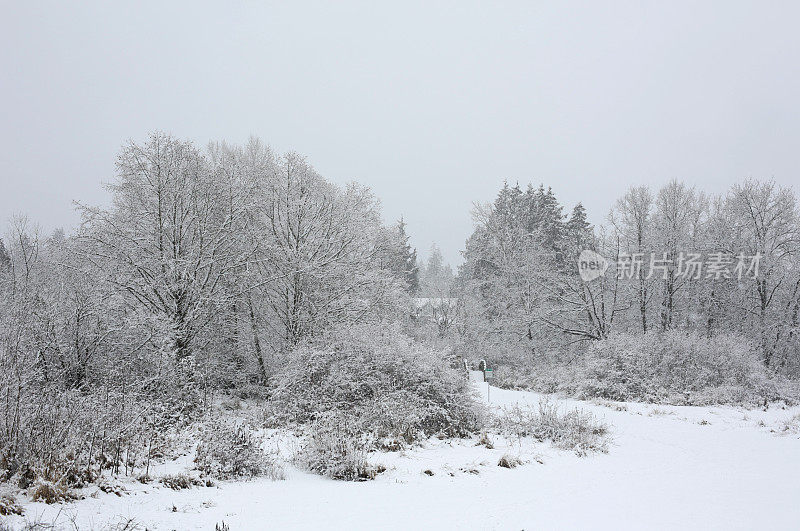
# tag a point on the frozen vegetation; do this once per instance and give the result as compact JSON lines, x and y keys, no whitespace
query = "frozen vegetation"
{"x":661,"y":466}
{"x":236,"y":342}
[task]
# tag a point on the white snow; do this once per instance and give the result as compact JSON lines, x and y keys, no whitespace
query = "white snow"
{"x":667,"y":468}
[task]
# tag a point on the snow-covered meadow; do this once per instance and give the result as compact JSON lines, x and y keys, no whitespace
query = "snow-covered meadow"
{"x":668,"y":467}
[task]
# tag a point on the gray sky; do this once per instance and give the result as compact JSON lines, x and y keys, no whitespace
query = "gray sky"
{"x":430,"y":104}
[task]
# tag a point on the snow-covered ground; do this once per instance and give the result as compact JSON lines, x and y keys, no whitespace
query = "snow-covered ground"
{"x":667,"y":468}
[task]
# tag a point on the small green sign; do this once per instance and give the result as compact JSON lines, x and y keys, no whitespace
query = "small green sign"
{"x":488,"y":373}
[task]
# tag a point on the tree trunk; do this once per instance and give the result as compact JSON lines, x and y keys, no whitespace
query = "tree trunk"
{"x":256,"y":342}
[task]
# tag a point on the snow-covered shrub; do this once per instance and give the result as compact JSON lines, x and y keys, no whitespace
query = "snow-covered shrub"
{"x":510,"y":461}
{"x":573,"y":429}
{"x":9,"y":506}
{"x":675,"y":367}
{"x":232,"y":450}
{"x":49,"y":492}
{"x":180,"y":481}
{"x":791,"y":425}
{"x":111,"y":485}
{"x":542,"y":376}
{"x":72,"y":435}
{"x":388,"y":385}
{"x":337,"y":449}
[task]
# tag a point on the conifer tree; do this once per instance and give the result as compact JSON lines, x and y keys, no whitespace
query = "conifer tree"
{"x":406,"y":263}
{"x":579,"y":230}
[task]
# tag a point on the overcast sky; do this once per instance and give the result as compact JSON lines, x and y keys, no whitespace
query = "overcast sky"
{"x":433,"y":104}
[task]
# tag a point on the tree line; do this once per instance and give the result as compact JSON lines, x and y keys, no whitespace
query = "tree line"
{"x":519,"y":283}
{"x":212,"y":269}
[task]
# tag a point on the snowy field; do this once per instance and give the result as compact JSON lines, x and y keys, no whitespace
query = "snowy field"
{"x":667,"y":468}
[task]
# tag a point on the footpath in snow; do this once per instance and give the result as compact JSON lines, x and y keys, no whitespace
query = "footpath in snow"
{"x":667,"y":468}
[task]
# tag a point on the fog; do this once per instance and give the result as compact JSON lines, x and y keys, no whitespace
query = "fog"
{"x":432,"y":106}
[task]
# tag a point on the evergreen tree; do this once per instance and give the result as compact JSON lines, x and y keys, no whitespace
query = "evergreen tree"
{"x":580,"y":232}
{"x":514,"y":271}
{"x":551,"y":219}
{"x":406,"y":263}
{"x":503,"y":200}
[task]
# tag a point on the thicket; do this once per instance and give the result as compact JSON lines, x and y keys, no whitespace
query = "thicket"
{"x":675,"y":367}
{"x":377,"y":381}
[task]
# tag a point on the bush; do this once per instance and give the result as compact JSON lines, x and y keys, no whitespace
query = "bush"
{"x":337,"y":450}
{"x":49,"y":492}
{"x":484,"y":440}
{"x":180,"y":481}
{"x":231,"y":450}
{"x":542,"y":376}
{"x":390,"y":386}
{"x":9,"y":506}
{"x":675,"y":367}
{"x":574,"y":429}
{"x":791,"y":425}
{"x":70,"y":436}
{"x":510,"y":461}
{"x":111,"y":486}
